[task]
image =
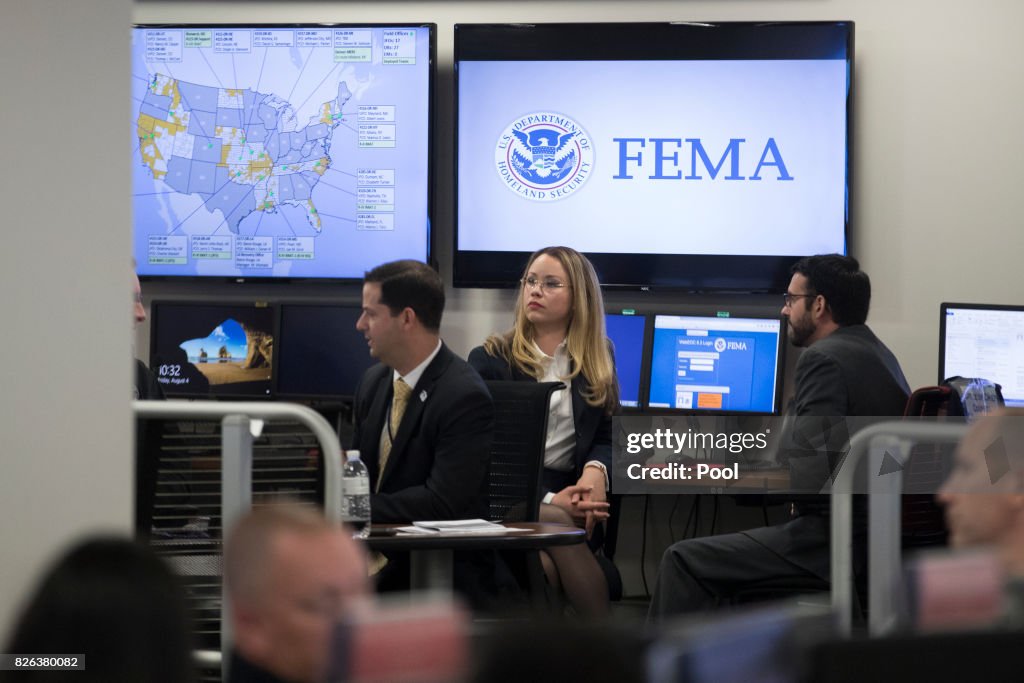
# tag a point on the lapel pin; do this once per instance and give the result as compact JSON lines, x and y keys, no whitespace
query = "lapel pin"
{"x":423,"y":396}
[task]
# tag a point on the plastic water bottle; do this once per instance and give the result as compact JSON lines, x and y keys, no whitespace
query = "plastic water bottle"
{"x":355,"y":485}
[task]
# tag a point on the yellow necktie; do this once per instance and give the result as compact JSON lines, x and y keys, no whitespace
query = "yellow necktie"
{"x":399,"y":401}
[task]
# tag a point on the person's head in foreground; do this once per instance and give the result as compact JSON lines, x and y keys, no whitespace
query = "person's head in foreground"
{"x":984,"y":494}
{"x":115,"y":603}
{"x":290,"y":575}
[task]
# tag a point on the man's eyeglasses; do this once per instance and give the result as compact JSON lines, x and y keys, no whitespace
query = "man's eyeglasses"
{"x":546,"y":285}
{"x":788,"y":298}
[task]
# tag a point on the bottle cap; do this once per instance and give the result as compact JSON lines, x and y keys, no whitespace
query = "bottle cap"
{"x":352,"y":455}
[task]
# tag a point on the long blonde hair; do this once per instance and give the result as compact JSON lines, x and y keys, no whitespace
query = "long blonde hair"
{"x":586,"y":340}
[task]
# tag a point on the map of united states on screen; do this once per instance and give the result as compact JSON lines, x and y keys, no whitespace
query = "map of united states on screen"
{"x":279,"y":151}
{"x":228,"y":147}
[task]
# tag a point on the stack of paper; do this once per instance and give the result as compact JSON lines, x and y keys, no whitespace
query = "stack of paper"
{"x":457,"y":526}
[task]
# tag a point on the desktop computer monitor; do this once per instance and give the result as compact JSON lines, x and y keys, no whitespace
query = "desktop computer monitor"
{"x":321,"y":353}
{"x":984,"y":340}
{"x":200,"y":350}
{"x":716,"y":364}
{"x":627,"y":335}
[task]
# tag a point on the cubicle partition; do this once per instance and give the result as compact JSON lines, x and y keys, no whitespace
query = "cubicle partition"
{"x":240,"y":423}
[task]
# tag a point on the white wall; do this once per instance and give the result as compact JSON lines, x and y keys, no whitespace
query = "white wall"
{"x":937,"y":144}
{"x":65,"y":428}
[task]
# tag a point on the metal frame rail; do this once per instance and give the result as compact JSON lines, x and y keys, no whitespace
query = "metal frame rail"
{"x":236,"y":469}
{"x":885,"y":589}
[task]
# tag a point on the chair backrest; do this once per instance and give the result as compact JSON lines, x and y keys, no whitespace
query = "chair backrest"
{"x":956,"y":397}
{"x":923,"y":521}
{"x":517,"y":452}
{"x":928,"y":402}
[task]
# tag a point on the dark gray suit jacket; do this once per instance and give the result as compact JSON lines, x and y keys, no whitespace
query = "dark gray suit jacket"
{"x":848,"y":374}
{"x":841,"y":382}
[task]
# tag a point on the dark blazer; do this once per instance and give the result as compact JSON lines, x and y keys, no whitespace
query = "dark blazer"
{"x":438,"y":463}
{"x":593,"y":424}
{"x":848,"y":374}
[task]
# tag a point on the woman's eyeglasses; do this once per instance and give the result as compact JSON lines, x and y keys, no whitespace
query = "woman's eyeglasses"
{"x":549,"y":284}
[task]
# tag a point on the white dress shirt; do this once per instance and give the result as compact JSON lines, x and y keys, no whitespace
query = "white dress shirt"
{"x":560,"y":445}
{"x":410,"y":378}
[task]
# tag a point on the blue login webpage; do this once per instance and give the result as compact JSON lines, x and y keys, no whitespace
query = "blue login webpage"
{"x":725,"y":364}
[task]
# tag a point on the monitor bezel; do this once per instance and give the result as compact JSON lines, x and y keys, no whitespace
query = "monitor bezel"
{"x":643,"y":41}
{"x":944,"y":307}
{"x":430,"y":257}
{"x":645,"y":353}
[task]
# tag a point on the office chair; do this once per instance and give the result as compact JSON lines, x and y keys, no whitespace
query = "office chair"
{"x":517,"y":451}
{"x":514,"y":478}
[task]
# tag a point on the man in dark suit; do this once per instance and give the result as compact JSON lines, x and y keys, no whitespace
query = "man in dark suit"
{"x":423,"y":418}
{"x":424,"y":421}
{"x":845,"y":370}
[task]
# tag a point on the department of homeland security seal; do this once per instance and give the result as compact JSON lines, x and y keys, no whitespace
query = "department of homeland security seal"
{"x":544,"y":156}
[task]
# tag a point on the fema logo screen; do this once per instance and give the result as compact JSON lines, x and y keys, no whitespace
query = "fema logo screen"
{"x":724,"y":157}
{"x":544,"y":156}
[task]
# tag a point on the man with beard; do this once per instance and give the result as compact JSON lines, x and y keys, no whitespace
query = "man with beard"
{"x":844,"y":370}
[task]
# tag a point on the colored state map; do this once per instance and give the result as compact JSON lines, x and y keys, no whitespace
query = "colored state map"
{"x":239,"y":150}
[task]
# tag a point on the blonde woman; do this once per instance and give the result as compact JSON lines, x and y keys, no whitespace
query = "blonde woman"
{"x":559,"y":335}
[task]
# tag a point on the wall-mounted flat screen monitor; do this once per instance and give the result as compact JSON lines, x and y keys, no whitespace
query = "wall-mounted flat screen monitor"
{"x":984,"y":340}
{"x":720,"y":365}
{"x":321,"y":353}
{"x":698,"y":156}
{"x":212,"y":350}
{"x":627,"y":335}
{"x":280,"y":151}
